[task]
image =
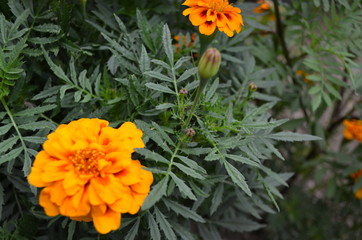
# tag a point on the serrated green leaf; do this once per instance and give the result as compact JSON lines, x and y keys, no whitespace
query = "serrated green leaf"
{"x":242,"y":160}
{"x":58,"y":71}
{"x":159,"y":87}
{"x":158,"y":75}
{"x":292,"y":137}
{"x":6,"y":144}
{"x":5,"y":129}
{"x":35,"y":110}
{"x":165,"y":225}
{"x":237,"y":177}
{"x":217,"y":198}
{"x":37,"y":125}
{"x":151,"y":155}
{"x":183,"y":187}
{"x":10,"y":155}
{"x":157,"y":192}
{"x":191,"y":163}
{"x":167,"y":44}
{"x":188,"y":73}
{"x":183,"y":211}
{"x":132,"y":233}
{"x":189,"y":171}
{"x":154,"y":230}
{"x":48,"y":28}
{"x":71,"y":230}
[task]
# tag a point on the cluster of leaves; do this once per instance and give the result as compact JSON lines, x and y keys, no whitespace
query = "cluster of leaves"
{"x":323,"y":38}
{"x":59,"y":63}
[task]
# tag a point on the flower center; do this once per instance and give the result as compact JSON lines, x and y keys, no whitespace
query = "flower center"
{"x":218,"y":5}
{"x":86,"y":160}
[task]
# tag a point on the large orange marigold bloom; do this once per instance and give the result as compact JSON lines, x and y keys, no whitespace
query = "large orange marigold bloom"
{"x":353,"y":129}
{"x":88,"y":174}
{"x":209,"y":14}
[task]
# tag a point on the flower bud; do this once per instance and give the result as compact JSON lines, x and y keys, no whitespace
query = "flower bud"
{"x":190,"y":132}
{"x":252,"y":87}
{"x":209,"y":63}
{"x":183,"y":91}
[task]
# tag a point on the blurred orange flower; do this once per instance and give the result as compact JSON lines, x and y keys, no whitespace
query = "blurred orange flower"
{"x":355,"y":176}
{"x":209,"y":14}
{"x":88,"y":174}
{"x":304,"y":74}
{"x":265,"y":6}
{"x":353,"y":129}
{"x":184,"y":41}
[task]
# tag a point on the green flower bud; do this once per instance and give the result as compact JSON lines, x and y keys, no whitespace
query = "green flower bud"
{"x":252,"y":87}
{"x":209,"y":63}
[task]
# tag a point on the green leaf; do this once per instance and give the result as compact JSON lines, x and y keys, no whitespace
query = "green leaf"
{"x":144,"y":60}
{"x":188,"y":73}
{"x":157,"y":192}
{"x":58,"y":71}
{"x":183,"y":187}
{"x":132,"y":233}
{"x":217,"y":198}
{"x":191,"y":163}
{"x":237,"y":177}
{"x":189,"y":171}
{"x":183,"y":232}
{"x":165,"y":225}
{"x":159,"y":87}
{"x":5,"y":145}
{"x":154,"y":230}
{"x":151,"y":155}
{"x":158,"y":75}
{"x":38,"y":125}
{"x":10,"y":155}
{"x":48,"y":28}
{"x":5,"y":129}
{"x":71,"y":230}
{"x":242,"y":160}
{"x":292,"y":137}
{"x":240,"y":225}
{"x":316,"y":101}
{"x":167,"y":44}
{"x":35,"y":110}
{"x":183,"y":211}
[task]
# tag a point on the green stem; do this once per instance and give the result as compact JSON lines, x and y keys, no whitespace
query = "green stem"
{"x":205,"y":41}
{"x":14,"y":123}
{"x":196,"y":101}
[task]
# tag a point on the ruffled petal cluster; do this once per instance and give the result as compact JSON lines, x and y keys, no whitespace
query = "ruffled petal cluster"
{"x":211,"y":14}
{"x":353,"y":129}
{"x":88,"y":174}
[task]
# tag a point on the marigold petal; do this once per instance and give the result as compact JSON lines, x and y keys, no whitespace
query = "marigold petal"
{"x":54,"y":171}
{"x":118,"y":160}
{"x":185,"y":13}
{"x":358,"y":193}
{"x":104,"y":223}
{"x":124,"y":204}
{"x":57,"y":193}
{"x":207,"y":28}
{"x":211,"y":15}
{"x":71,"y":183}
{"x":50,"y":208}
{"x":34,"y":178}
{"x":131,"y":174}
{"x":108,"y":188}
{"x":198,"y":16}
{"x":144,"y":185}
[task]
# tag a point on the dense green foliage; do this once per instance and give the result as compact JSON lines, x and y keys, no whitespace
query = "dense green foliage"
{"x":117,"y":60}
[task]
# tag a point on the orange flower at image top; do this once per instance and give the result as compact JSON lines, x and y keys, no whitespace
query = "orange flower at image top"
{"x":88,"y":174}
{"x":265,"y":6}
{"x":355,"y":176}
{"x":353,"y":129}
{"x":209,"y":14}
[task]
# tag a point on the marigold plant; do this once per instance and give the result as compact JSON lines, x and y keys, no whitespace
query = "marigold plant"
{"x":88,"y":174}
{"x":209,"y":14}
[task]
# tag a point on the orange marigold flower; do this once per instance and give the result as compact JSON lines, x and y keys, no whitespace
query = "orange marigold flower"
{"x":88,"y":174}
{"x":265,"y":6}
{"x":353,"y":129}
{"x":209,"y":14}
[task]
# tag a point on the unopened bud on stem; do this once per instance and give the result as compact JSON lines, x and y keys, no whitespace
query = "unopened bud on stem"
{"x":209,"y":63}
{"x":252,"y":87}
